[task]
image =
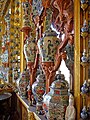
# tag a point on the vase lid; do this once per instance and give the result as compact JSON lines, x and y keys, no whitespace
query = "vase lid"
{"x":60,"y":82}
{"x":50,"y":32}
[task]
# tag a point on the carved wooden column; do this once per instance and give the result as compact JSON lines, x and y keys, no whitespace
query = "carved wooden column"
{"x":84,"y":15}
{"x":21,"y":40}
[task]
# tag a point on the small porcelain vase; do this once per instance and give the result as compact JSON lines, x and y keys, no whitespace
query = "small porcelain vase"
{"x":38,"y":89}
{"x":84,"y":114}
{"x":56,"y":101}
{"x":85,"y":87}
{"x":24,"y":79}
{"x":84,"y":58}
{"x":85,"y":27}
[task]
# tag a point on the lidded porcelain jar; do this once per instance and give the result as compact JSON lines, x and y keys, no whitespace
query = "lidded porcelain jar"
{"x":56,"y":101}
{"x":38,"y":90}
{"x":23,"y":82}
{"x":48,"y":45}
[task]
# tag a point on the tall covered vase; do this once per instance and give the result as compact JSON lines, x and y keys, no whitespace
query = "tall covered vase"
{"x":56,"y":101}
{"x":48,"y":45}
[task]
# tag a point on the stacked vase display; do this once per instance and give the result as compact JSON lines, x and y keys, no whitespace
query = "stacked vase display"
{"x":38,"y":89}
{"x":23,"y":82}
{"x":56,"y":101}
{"x":30,"y":46}
{"x":48,"y":45}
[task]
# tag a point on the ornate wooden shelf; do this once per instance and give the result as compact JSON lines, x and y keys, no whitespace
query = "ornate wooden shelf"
{"x":84,"y":64}
{"x":29,"y":110}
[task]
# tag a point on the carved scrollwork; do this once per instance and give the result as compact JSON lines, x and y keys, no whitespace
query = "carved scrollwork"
{"x":64,"y":20}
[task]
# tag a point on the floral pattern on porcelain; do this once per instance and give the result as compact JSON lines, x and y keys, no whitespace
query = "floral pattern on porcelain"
{"x":26,"y":14}
{"x":38,"y":89}
{"x":48,"y":46}
{"x":30,"y":50}
{"x":23,"y":82}
{"x":56,"y":101}
{"x":37,"y":7}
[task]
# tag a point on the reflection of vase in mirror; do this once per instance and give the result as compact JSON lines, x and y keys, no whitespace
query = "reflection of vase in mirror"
{"x":48,"y":49}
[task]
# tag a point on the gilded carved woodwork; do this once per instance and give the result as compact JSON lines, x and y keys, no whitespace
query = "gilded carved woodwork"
{"x":77,"y":68}
{"x":85,"y":93}
{"x":65,"y":15}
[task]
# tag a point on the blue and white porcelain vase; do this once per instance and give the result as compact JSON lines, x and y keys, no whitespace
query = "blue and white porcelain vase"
{"x":85,"y":87}
{"x":84,"y":58}
{"x":84,"y":114}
